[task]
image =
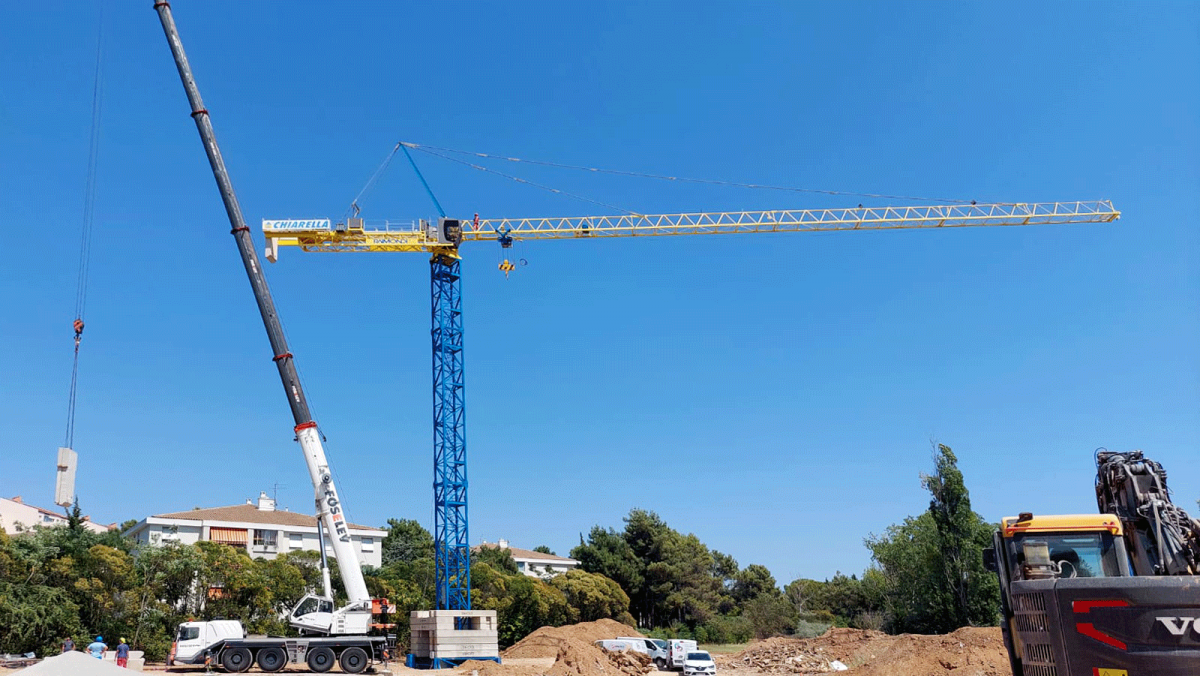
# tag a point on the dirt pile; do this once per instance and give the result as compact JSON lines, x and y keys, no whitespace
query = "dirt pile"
{"x":575,"y":654}
{"x":971,"y":651}
{"x":73,"y":663}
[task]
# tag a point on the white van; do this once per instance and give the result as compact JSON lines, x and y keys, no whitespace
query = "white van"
{"x":677,"y":650}
{"x":617,"y":644}
{"x":655,"y":648}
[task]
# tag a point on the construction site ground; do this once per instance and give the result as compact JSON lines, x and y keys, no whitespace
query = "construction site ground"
{"x":570,"y":651}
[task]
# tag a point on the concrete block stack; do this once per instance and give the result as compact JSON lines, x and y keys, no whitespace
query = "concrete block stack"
{"x":454,"y":634}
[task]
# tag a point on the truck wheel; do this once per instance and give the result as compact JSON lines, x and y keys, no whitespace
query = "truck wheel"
{"x":272,"y":659}
{"x":320,"y":659}
{"x":353,"y":660}
{"x":661,"y":664}
{"x":236,"y":660}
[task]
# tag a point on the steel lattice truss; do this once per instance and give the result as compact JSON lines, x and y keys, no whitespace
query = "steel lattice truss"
{"x":323,"y":235}
{"x":450,"y":535}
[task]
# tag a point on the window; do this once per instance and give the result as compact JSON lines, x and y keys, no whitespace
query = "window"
{"x":312,"y":604}
{"x":308,"y":605}
{"x":295,"y":540}
{"x":1069,"y":554}
{"x":228,"y":536}
{"x":266,"y":538}
{"x":188,"y":633}
{"x":368,"y":544}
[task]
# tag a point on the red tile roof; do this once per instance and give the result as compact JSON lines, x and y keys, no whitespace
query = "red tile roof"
{"x":251,"y":514}
{"x":519,"y":553}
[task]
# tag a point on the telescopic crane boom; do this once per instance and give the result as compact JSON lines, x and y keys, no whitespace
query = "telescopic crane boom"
{"x":353,"y":618}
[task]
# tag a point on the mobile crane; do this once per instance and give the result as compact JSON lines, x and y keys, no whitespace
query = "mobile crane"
{"x":1109,"y":594}
{"x":329,"y":635}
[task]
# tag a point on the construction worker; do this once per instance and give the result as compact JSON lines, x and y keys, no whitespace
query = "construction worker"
{"x":97,"y":648}
{"x":123,"y":654}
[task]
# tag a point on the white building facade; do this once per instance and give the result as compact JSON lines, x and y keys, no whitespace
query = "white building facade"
{"x":18,"y":517}
{"x":259,"y":528}
{"x":535,"y":564}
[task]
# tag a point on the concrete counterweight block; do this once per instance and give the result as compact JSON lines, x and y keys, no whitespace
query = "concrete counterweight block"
{"x":454,"y":634}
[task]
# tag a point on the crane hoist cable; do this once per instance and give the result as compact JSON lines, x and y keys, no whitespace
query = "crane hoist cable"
{"x":437,"y":150}
{"x":85,"y":231}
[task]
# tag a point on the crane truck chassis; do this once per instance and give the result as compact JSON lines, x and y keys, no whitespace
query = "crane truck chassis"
{"x":224,"y":643}
{"x":1110,"y":594}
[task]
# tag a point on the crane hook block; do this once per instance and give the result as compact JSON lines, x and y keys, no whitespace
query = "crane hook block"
{"x":78,"y":324}
{"x":506,"y":267}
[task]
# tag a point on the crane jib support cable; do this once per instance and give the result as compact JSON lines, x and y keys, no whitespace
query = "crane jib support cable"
{"x":436,"y":203}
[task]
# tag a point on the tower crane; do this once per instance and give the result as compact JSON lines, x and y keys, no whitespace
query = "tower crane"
{"x":442,"y":239}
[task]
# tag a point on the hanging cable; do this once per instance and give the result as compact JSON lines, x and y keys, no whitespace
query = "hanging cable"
{"x":638,"y":174}
{"x":85,"y":232}
{"x":514,"y":178}
{"x":354,"y":208}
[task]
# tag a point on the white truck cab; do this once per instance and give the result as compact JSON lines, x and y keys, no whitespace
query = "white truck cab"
{"x":312,"y":615}
{"x":195,"y":637}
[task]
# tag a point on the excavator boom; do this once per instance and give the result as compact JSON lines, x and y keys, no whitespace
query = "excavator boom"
{"x":1162,"y":539}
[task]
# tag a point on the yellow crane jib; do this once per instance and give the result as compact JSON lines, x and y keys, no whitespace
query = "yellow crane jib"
{"x":444,"y":237}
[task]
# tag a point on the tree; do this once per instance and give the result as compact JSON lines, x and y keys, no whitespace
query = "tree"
{"x":962,"y":536}
{"x":752,"y":582}
{"x":593,"y":596}
{"x":770,"y":615}
{"x":932,"y":565}
{"x":33,"y":618}
{"x":607,"y":553}
{"x":543,"y":549}
{"x":406,"y":542}
{"x":725,"y":569}
{"x":500,"y":559}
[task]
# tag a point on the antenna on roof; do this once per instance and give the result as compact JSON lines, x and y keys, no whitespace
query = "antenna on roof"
{"x":275,"y":491}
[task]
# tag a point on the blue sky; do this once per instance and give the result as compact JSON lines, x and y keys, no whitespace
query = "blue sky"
{"x":776,"y":395}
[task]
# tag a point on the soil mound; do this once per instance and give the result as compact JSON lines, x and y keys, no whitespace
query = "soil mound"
{"x":545,"y":641}
{"x":575,"y":654}
{"x":970,"y":651}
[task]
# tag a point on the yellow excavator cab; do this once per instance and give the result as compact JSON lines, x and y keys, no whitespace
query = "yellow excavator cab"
{"x":1060,"y":523}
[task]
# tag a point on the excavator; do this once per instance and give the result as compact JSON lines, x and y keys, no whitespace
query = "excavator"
{"x":1110,"y":594}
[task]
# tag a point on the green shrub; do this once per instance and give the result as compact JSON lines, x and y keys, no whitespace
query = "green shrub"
{"x":808,"y":629}
{"x":727,"y":629}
